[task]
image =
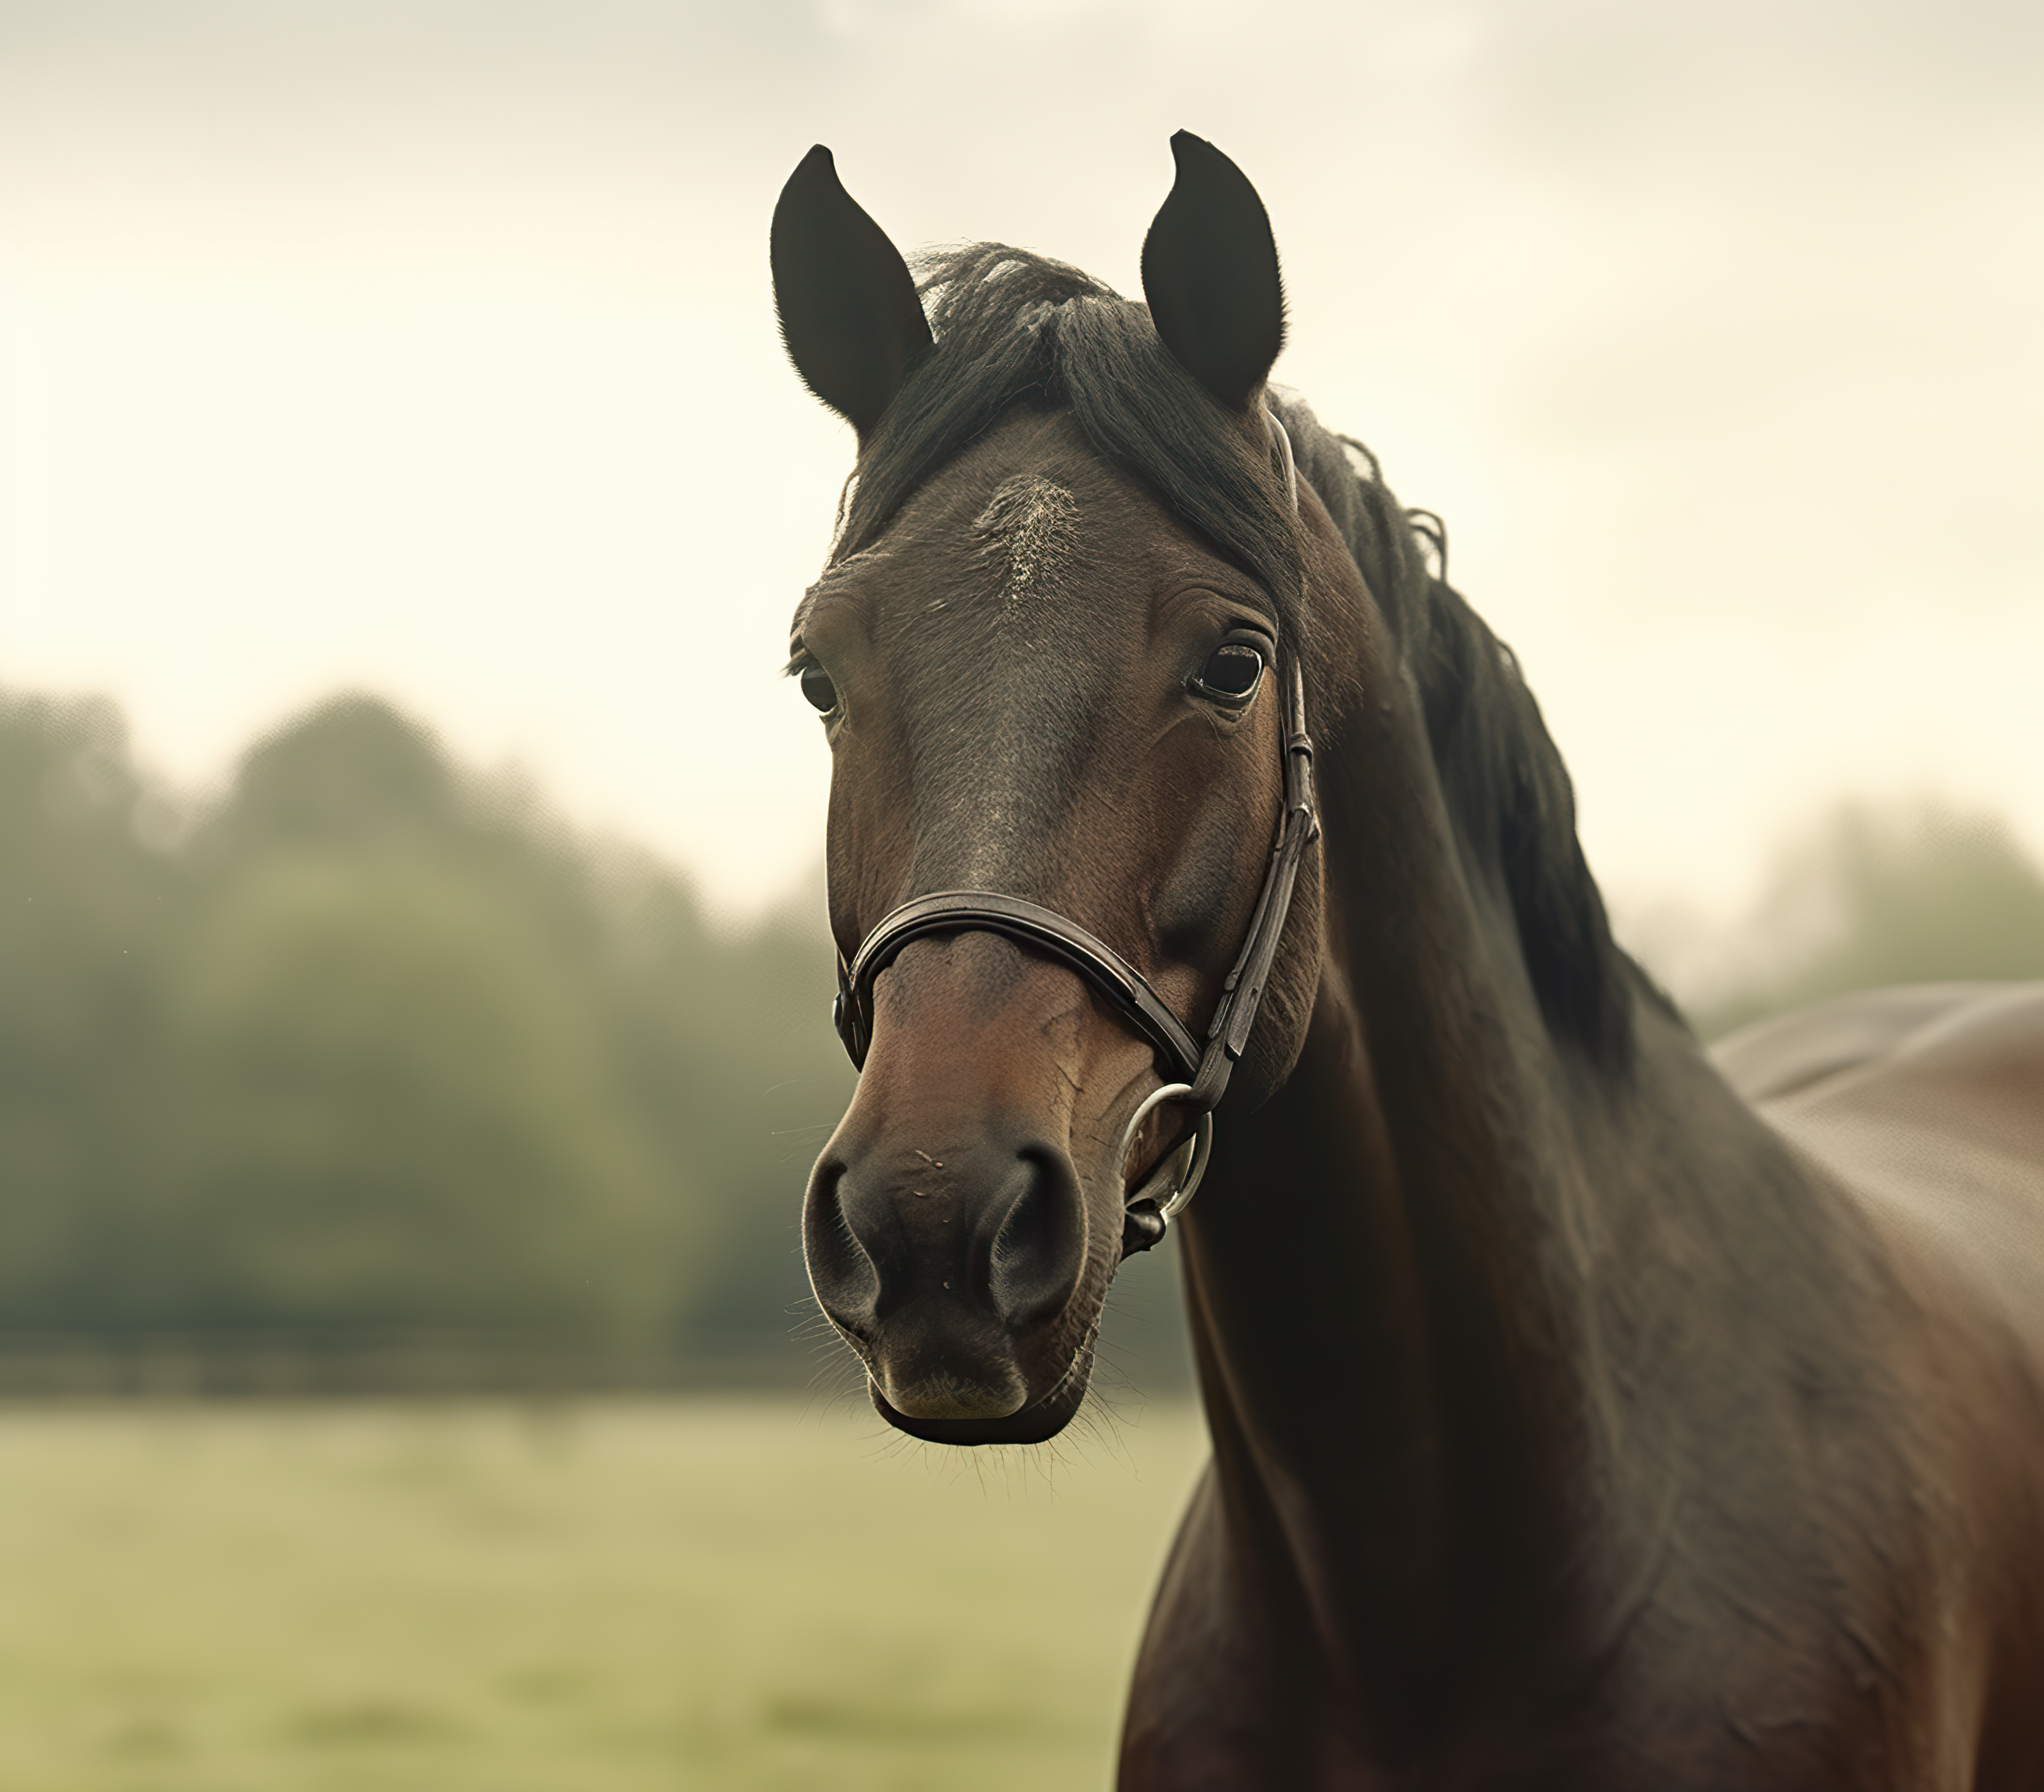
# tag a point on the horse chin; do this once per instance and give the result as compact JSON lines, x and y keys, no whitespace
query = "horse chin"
{"x":1036,"y":1423}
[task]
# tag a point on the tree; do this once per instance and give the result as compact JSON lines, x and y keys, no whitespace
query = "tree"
{"x":86,"y":911}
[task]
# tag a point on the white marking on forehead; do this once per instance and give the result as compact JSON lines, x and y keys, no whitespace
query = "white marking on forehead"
{"x":1033,"y":523}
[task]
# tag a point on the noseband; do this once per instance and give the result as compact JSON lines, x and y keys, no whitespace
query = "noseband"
{"x":1199,"y":1070}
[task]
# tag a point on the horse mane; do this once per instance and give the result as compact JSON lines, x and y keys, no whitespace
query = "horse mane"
{"x":1014,"y":328}
{"x":1502,"y":777}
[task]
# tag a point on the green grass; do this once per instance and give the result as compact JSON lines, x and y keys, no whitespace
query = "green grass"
{"x":718,"y":1594}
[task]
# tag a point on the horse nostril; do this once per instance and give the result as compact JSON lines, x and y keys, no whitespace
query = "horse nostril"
{"x":845,"y":1283}
{"x":1039,"y":1252}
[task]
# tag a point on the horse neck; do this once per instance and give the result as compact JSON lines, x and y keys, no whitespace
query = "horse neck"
{"x":1385,"y":1310}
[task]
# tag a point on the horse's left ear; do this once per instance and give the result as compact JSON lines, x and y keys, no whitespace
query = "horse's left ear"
{"x":849,"y":313}
{"x":1210,"y":274}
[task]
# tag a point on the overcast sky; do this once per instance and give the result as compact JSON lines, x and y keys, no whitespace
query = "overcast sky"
{"x":426,"y":346}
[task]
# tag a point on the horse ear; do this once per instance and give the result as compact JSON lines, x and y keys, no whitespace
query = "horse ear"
{"x":849,"y":313}
{"x":1210,"y":274}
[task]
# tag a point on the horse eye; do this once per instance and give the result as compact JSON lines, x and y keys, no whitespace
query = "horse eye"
{"x":817,"y":687}
{"x":1231,"y":673}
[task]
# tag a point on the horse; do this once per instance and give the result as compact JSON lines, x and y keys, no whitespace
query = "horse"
{"x":1585,"y":1412}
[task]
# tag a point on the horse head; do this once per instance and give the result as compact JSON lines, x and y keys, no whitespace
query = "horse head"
{"x":1057,"y":652}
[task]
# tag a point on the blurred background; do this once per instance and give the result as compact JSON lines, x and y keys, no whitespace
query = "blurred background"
{"x":412,"y":977}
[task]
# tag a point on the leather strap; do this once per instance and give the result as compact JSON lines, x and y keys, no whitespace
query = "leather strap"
{"x":953,"y":911}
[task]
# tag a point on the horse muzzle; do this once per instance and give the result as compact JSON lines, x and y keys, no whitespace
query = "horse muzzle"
{"x":964,"y":1222}
{"x":951,"y":1266}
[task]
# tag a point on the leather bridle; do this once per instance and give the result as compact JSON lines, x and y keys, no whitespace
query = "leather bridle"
{"x":1198,"y":1071}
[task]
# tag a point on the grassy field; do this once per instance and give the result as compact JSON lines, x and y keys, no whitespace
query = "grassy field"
{"x":594,"y":1598}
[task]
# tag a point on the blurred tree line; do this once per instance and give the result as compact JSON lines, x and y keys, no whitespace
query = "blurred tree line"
{"x":379,"y":1047}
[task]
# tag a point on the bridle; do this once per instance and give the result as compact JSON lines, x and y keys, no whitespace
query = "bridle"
{"x":1199,"y":1070}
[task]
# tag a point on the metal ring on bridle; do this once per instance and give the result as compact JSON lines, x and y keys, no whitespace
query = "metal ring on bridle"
{"x":1185,"y":1161}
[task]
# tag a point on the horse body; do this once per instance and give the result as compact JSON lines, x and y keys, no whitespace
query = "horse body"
{"x":1579,"y":1420}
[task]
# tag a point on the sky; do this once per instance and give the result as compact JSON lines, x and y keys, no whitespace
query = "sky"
{"x":427,"y":347}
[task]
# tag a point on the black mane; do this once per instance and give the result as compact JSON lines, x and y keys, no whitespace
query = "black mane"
{"x":1013,"y":328}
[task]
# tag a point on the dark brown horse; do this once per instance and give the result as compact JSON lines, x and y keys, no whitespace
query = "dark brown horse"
{"x":1585,"y":1413}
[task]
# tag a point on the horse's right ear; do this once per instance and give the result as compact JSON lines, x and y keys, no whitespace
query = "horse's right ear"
{"x":849,"y":313}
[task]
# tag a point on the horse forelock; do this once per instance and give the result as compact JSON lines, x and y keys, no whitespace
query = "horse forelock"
{"x":1016,"y":331}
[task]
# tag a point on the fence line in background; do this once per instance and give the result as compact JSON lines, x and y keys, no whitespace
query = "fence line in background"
{"x":292,"y":1366}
